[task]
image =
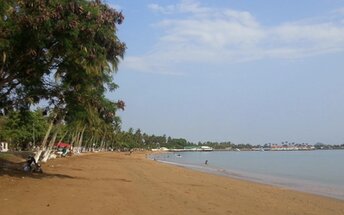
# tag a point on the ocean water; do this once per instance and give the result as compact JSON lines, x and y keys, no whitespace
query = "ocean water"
{"x":317,"y":172}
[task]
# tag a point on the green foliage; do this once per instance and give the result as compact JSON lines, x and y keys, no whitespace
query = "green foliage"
{"x":74,"y":42}
{"x":21,"y":128}
{"x":137,"y":139}
{"x":218,"y":145}
{"x":177,"y":143}
{"x":64,"y":52}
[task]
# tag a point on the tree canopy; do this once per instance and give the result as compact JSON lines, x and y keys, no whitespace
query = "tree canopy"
{"x":23,"y":129}
{"x":56,"y":49}
{"x":64,"y":53}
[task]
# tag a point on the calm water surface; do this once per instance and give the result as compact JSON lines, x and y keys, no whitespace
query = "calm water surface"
{"x":319,"y":172}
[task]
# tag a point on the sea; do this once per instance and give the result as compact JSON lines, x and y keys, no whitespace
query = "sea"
{"x":318,"y":172}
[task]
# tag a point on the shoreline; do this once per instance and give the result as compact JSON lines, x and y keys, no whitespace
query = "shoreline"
{"x":314,"y":187}
{"x":294,"y":185}
{"x":118,"y":183}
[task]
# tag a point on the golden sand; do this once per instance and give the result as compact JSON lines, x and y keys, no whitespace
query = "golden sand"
{"x":117,"y":183}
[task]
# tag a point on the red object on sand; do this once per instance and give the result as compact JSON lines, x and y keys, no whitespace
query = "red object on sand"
{"x":62,"y":145}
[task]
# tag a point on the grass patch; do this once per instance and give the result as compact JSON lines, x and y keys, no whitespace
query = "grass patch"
{"x":5,"y":155}
{"x":13,"y":156}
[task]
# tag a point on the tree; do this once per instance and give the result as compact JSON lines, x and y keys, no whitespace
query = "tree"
{"x":51,"y":49}
{"x":65,"y":52}
{"x":22,"y":128}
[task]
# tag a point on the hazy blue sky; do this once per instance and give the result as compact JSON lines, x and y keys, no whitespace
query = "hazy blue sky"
{"x":246,"y":71}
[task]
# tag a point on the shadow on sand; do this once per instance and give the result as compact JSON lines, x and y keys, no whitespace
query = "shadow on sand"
{"x":15,"y":169}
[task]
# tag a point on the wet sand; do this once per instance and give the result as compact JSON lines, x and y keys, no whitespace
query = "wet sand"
{"x":117,"y":183}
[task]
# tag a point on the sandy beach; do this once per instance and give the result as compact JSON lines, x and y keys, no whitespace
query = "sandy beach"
{"x":118,"y":183}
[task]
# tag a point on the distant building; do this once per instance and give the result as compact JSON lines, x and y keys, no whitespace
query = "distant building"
{"x":291,"y":147}
{"x":206,"y":148}
{"x":3,"y":147}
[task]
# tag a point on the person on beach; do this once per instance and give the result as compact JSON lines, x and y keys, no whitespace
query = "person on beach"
{"x":31,"y":160}
{"x":64,"y":151}
{"x":206,"y":162}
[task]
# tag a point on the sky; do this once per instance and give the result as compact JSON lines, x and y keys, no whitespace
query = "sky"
{"x":254,"y":72}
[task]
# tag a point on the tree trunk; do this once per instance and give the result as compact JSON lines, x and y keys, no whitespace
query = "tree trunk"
{"x":80,"y":139}
{"x":95,"y":143}
{"x":64,"y":135}
{"x":89,"y":144}
{"x":44,"y":143}
{"x":102,"y":143}
{"x":49,"y":148}
{"x":74,"y":139}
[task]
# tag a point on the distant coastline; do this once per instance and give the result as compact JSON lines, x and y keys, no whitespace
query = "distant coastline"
{"x":209,"y":149}
{"x":311,"y":171}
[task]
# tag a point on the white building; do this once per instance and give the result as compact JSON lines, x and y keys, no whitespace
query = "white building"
{"x":206,"y":148}
{"x":3,"y":147}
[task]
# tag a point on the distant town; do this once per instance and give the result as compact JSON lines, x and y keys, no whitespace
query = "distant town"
{"x":227,"y":146}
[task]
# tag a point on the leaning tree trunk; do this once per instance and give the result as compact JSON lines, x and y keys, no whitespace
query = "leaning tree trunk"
{"x":96,"y":144}
{"x":89,"y":144}
{"x":71,"y":136}
{"x":102,"y":143}
{"x":44,"y":143}
{"x":47,"y":153}
{"x":74,"y":139}
{"x":63,"y":136}
{"x":80,"y":139}
{"x":49,"y":148}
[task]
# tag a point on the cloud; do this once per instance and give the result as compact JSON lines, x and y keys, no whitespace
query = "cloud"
{"x":166,"y":10}
{"x":115,"y":6}
{"x":339,"y":11}
{"x":186,"y":6}
{"x":205,"y":35}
